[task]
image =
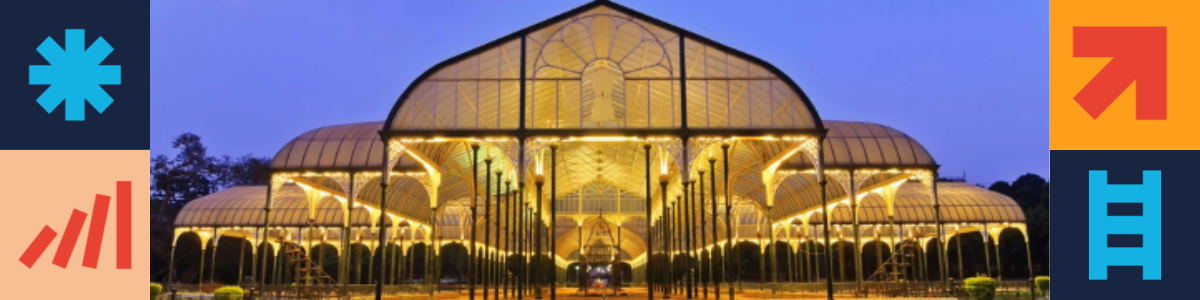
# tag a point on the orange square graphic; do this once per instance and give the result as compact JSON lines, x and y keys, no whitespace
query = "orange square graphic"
{"x":1118,"y":127}
{"x":60,"y":191}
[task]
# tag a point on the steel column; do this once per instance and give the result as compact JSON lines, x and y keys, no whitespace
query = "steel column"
{"x":987,"y":253}
{"x":649,"y":241}
{"x":703,"y":257}
{"x":666,"y":236}
{"x":487,"y":221}
{"x":537,"y":236}
{"x":728,"y":211}
{"x":712,"y":178}
{"x":471,"y":262}
{"x":383,"y":185}
{"x":554,"y":217}
{"x":266,"y":231}
{"x":687,"y":245}
{"x":825,"y":213}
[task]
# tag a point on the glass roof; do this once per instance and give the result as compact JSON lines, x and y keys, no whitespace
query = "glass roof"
{"x":242,"y":206}
{"x":602,"y":65}
{"x":961,"y":203}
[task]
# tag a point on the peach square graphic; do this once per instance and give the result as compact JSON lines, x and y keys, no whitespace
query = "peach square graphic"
{"x":43,"y":189}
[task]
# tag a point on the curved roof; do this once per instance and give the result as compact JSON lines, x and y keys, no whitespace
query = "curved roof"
{"x":242,"y":206}
{"x":961,"y":203}
{"x":659,"y":66}
{"x":354,"y":146}
{"x":339,"y":146}
{"x":862,"y":144}
{"x":858,"y":145}
{"x":849,"y":144}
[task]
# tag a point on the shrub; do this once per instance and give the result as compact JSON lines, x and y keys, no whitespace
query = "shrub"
{"x":228,"y":293}
{"x":1042,"y":282}
{"x":155,"y":290}
{"x":981,"y":288}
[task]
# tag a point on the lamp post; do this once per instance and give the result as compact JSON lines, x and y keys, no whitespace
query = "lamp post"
{"x":487,"y":218}
{"x":662,"y":181}
{"x":728,"y":211}
{"x":538,"y":180}
{"x":691,"y":240}
{"x":553,"y":215}
{"x":649,"y":232}
{"x":520,"y":231}
{"x":508,"y":211}
{"x":471,"y":263}
{"x":712,"y":179}
{"x":703,"y":240}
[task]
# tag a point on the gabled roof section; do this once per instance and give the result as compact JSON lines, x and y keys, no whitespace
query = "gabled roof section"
{"x":554,"y":60}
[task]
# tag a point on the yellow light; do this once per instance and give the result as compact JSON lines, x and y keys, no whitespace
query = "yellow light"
{"x":538,"y":161}
{"x":602,"y":139}
{"x":663,"y":163}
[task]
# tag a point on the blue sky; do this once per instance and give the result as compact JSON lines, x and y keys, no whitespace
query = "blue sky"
{"x":968,"y":79}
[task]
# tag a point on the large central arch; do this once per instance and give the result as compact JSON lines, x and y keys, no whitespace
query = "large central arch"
{"x":531,"y":82}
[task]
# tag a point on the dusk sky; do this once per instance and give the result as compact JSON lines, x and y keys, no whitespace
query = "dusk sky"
{"x":967,"y":79}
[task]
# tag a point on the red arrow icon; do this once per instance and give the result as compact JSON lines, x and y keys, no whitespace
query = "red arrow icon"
{"x":1139,"y":54}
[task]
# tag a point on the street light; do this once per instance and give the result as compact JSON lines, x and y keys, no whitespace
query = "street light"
{"x":538,"y":180}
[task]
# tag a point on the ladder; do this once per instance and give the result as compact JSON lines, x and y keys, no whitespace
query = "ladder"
{"x":306,"y":272}
{"x":898,"y":261}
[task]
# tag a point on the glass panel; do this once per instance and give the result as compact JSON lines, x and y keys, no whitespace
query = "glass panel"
{"x":601,"y":58}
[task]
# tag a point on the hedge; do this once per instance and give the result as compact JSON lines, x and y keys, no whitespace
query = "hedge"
{"x":981,"y":288}
{"x":228,"y":293}
{"x":1042,"y":282}
{"x":155,"y":290}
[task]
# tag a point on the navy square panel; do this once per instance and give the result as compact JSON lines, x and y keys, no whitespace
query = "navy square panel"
{"x":1125,"y":209}
{"x":1069,"y":256}
{"x":124,"y":124}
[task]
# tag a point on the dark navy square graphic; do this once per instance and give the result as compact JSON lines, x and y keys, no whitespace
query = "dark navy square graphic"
{"x":124,"y":124}
{"x":1070,"y":256}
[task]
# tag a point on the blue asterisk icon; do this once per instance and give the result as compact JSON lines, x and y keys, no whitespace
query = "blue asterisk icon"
{"x":74,"y":75}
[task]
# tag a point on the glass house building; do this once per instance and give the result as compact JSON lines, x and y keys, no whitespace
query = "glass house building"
{"x":603,"y":151}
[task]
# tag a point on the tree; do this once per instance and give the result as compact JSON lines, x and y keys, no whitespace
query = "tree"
{"x":1001,"y":187}
{"x":188,"y":176}
{"x":1032,"y":193}
{"x":192,"y":174}
{"x":244,"y":170}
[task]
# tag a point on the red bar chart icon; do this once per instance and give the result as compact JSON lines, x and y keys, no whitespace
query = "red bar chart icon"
{"x":95,"y":239}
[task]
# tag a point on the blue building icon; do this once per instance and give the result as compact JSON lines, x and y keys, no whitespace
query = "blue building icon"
{"x":1122,"y":238}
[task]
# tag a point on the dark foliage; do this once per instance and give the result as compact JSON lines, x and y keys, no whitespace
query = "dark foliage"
{"x":191,"y":174}
{"x":1032,"y":193}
